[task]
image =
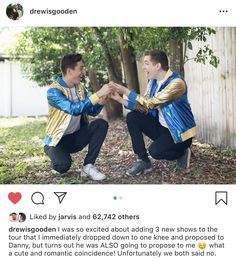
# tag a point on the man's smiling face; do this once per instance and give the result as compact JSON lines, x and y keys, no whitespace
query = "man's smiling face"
{"x":77,"y":74}
{"x":150,"y":68}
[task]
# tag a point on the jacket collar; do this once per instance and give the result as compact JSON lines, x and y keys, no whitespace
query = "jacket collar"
{"x":168,"y":74}
{"x":62,"y":82}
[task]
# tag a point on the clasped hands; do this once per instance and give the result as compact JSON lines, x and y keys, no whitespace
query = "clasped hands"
{"x":113,"y":91}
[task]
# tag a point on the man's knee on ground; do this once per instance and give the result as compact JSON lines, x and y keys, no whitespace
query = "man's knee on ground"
{"x":158,"y":154}
{"x":62,"y":168}
{"x":154,"y":152}
{"x":101,"y":124}
{"x":131,"y":116}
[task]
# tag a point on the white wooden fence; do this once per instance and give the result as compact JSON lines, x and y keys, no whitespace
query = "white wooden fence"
{"x":212,"y":92}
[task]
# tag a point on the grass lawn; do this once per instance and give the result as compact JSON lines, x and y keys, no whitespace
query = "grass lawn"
{"x":22,"y":160}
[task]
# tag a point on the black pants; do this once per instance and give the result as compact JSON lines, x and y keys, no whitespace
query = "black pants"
{"x":92,"y":135}
{"x":163,"y":146}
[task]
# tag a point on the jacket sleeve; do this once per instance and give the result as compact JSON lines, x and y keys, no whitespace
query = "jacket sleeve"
{"x":95,"y":109}
{"x":58,"y":100}
{"x":172,"y":91}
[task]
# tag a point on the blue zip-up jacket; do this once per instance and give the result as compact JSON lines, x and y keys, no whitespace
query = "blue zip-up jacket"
{"x":172,"y":99}
{"x":61,"y":107}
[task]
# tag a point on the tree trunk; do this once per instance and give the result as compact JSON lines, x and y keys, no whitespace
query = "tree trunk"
{"x":176,"y":56}
{"x":113,"y":109}
{"x":108,"y":56}
{"x":94,"y":80}
{"x":129,"y":64}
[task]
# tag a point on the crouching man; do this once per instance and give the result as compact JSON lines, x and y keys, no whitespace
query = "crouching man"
{"x":68,"y":130}
{"x":163,"y":114}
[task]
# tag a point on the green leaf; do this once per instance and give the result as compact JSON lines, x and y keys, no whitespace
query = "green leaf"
{"x":190,"y":46}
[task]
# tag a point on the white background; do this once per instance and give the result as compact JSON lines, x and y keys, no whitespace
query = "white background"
{"x":164,"y":205}
{"x":160,"y":205}
{"x":126,"y":13}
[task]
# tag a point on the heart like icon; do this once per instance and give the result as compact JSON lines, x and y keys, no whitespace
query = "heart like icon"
{"x":14,"y":197}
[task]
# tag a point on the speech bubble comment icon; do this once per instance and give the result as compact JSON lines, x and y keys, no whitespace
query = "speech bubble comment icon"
{"x":37,"y":198}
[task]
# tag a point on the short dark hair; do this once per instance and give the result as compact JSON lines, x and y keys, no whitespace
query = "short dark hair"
{"x":70,"y":61}
{"x":158,"y":57}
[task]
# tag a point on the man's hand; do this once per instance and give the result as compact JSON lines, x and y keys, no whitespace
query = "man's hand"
{"x":105,"y":90}
{"x":119,"y":88}
{"x":116,"y":97}
{"x":103,"y":100}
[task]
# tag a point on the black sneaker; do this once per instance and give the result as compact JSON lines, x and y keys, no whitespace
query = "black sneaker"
{"x":184,"y":161}
{"x":139,"y":167}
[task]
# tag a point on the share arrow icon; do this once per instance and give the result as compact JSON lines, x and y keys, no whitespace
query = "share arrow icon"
{"x":60,"y":195}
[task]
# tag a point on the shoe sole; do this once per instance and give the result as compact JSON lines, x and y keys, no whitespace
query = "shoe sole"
{"x":188,"y":162}
{"x":83,"y":174}
{"x":146,"y":171}
{"x":188,"y":159}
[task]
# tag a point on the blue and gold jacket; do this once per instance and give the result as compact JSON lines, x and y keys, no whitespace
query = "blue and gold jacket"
{"x":172,"y":99}
{"x":61,"y":108}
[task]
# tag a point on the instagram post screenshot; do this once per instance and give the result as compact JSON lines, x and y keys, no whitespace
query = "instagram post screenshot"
{"x":117,"y":130}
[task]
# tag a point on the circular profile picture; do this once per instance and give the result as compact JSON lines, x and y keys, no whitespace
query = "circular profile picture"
{"x":21,"y":217}
{"x":13,"y":217}
{"x":14,"y":11}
